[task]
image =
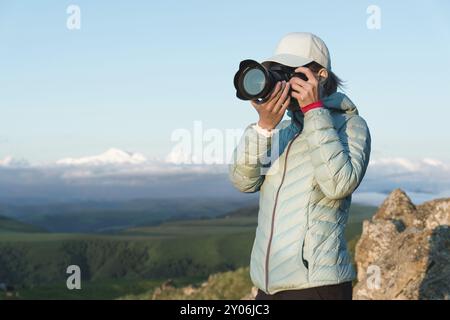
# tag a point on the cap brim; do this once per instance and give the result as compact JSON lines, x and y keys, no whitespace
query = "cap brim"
{"x":289,"y":60}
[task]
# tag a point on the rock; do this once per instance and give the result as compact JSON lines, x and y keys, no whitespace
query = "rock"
{"x":165,"y":286}
{"x":251,"y":295}
{"x":189,"y":290}
{"x":404,"y":251}
{"x":397,"y":207}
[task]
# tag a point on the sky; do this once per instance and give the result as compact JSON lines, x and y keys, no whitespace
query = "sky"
{"x":137,"y":71}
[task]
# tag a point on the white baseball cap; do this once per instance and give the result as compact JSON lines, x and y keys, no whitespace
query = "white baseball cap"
{"x":297,"y":49}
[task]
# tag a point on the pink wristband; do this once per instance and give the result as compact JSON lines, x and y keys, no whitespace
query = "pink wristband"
{"x":314,"y":105}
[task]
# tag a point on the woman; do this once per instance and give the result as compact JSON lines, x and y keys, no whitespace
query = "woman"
{"x":318,"y":160}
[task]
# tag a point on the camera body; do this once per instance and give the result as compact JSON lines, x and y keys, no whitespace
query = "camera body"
{"x":256,"y":81}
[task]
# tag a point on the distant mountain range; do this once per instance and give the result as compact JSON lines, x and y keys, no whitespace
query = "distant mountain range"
{"x":112,"y":156}
{"x":111,"y":216}
{"x":122,"y":175}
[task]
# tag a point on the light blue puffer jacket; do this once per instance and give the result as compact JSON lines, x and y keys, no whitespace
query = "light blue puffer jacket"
{"x":305,"y":194}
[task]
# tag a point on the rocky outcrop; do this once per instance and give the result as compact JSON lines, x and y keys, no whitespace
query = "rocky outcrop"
{"x":229,"y":285}
{"x":404,"y":251}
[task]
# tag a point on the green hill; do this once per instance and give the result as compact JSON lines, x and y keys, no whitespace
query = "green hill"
{"x":133,"y":261}
{"x":108,"y":217}
{"x":187,"y":250}
{"x":11,"y":225}
{"x":250,"y":211}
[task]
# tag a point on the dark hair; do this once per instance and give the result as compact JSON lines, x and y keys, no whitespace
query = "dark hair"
{"x":332,"y":83}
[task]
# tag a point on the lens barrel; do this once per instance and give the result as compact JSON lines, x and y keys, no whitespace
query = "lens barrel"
{"x":255,"y":81}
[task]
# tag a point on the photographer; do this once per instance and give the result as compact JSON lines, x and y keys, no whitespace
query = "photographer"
{"x":322,"y":155}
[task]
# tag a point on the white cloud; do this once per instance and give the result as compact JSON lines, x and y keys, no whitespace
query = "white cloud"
{"x":110,"y":157}
{"x":134,"y":175}
{"x":398,"y":164}
{"x":178,"y":156}
{"x":10,"y":161}
{"x":423,"y":179}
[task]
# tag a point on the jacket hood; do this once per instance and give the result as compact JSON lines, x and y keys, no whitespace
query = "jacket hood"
{"x":337,"y":102}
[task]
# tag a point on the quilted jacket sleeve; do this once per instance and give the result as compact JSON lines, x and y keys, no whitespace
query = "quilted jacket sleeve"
{"x":248,"y":161}
{"x":339,"y":157}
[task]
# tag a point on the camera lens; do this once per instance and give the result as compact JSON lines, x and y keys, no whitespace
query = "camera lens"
{"x":254,"y":82}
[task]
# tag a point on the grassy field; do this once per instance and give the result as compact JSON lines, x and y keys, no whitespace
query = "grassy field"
{"x":135,"y":261}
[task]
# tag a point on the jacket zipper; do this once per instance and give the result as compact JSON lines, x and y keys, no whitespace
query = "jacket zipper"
{"x":273,"y":213}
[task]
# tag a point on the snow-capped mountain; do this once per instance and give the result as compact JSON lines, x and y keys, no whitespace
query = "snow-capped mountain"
{"x":112,"y":156}
{"x":10,"y":161}
{"x":6,"y":161}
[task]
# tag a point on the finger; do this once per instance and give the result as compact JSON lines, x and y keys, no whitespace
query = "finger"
{"x":301,"y":87}
{"x":299,"y":95}
{"x":302,"y":90}
{"x":300,"y":82}
{"x":275,"y":90}
{"x":309,"y":74}
{"x":255,"y":104}
{"x":285,"y":105}
{"x":272,"y":102}
{"x":282,"y":98}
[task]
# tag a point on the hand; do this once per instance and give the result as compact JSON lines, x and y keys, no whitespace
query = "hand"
{"x":272,"y":111}
{"x":306,"y":92}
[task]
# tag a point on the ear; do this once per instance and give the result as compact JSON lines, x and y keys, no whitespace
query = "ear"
{"x":323,"y":73}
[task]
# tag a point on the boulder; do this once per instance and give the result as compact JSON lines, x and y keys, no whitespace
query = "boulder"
{"x":404,"y":251}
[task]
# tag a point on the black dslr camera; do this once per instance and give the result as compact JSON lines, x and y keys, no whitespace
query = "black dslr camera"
{"x":255,"y":81}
